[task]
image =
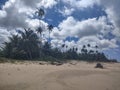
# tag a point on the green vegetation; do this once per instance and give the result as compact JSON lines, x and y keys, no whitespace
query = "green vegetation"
{"x":27,"y":45}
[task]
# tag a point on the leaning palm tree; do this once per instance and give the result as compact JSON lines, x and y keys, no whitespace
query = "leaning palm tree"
{"x":50,"y":27}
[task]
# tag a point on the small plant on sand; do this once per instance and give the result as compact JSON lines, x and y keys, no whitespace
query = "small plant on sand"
{"x":99,"y":65}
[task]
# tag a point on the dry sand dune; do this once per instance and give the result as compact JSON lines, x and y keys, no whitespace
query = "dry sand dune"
{"x":82,"y":76}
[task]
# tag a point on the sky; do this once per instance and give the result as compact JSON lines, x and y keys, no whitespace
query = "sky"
{"x":76,"y":22}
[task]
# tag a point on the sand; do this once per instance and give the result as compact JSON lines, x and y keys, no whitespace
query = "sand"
{"x":76,"y":76}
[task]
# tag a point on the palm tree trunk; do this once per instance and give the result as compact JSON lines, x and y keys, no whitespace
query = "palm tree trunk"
{"x":40,"y":40}
{"x":40,"y":45}
{"x":49,"y":37}
{"x":29,"y":53}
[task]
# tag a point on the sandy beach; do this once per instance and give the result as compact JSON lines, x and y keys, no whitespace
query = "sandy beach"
{"x":76,"y":76}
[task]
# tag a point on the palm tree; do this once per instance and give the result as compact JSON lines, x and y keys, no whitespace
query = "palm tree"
{"x":40,"y":13}
{"x":29,"y":43}
{"x":66,"y":46}
{"x":96,"y":48}
{"x":76,"y":49}
{"x":84,"y":46}
{"x":91,"y":52}
{"x":50,"y":27}
{"x":40,"y":30}
{"x":11,"y":48}
{"x":84,"y":50}
{"x":63,"y":45}
{"x":88,"y":45}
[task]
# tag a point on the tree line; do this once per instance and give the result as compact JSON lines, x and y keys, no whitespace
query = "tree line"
{"x":27,"y":45}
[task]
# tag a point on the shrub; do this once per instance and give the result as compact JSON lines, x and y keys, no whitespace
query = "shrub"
{"x":99,"y":65}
